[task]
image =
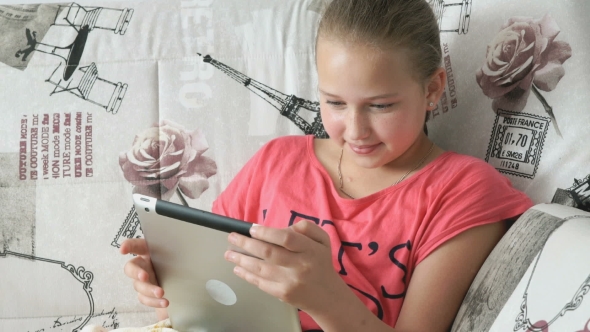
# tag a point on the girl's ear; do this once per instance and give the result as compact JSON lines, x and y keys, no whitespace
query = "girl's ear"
{"x":435,"y":86}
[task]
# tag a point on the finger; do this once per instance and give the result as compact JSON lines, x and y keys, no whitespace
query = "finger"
{"x":248,"y":276}
{"x":148,"y":289}
{"x":283,"y":237}
{"x":311,"y":230}
{"x":139,"y":269}
{"x":134,"y":246}
{"x":270,"y":287}
{"x":259,"y":249}
{"x":251,"y":264}
{"x":152,"y":302}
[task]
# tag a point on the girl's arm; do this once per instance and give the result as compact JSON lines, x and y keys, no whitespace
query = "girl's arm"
{"x":296,"y":268}
{"x":435,"y":293}
{"x":442,"y":279}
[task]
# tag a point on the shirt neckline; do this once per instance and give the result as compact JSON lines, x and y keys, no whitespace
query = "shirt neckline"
{"x":374,"y":196}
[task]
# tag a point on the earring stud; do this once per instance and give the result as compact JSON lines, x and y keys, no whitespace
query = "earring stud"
{"x":431,"y":104}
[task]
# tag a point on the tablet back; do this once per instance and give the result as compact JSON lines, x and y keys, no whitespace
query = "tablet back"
{"x":204,"y":293}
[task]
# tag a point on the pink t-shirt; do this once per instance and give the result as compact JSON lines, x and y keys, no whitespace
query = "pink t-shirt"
{"x":377,"y":240}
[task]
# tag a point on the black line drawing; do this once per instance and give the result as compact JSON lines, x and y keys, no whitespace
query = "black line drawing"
{"x":523,"y":321}
{"x":131,"y":229}
{"x":578,"y":195}
{"x":505,"y":268}
{"x":79,"y":273}
{"x":31,"y":43}
{"x":516,"y":143}
{"x":547,"y":108}
{"x":453,"y":15}
{"x":288,"y":105}
{"x":111,"y":19}
{"x":70,"y":54}
{"x":83,"y":20}
{"x":90,"y":87}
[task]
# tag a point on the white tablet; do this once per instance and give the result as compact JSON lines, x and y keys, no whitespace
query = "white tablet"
{"x":187,"y":247}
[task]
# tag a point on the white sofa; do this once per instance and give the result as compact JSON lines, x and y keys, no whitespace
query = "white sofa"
{"x":78,"y":82}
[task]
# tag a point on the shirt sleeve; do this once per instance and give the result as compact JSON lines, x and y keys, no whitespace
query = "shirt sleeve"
{"x":241,"y":198}
{"x":476,"y":195}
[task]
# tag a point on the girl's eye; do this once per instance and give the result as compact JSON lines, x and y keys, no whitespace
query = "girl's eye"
{"x":381,"y":106}
{"x":375,"y":106}
{"x":334,"y":103}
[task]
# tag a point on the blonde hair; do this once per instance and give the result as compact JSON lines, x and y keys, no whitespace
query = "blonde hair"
{"x":408,"y":25}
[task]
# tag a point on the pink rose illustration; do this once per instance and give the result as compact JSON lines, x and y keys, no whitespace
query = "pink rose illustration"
{"x":540,"y":326}
{"x":586,"y":327}
{"x":523,"y":56}
{"x":167,"y":158}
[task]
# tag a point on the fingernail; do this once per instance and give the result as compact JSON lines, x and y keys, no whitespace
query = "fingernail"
{"x":232,"y":238}
{"x":230,"y":256}
{"x":254,"y":228}
{"x":163,"y":304}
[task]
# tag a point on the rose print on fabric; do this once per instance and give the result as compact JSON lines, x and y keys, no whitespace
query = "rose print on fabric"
{"x":545,"y":327}
{"x":523,"y":57}
{"x":586,"y":327}
{"x":541,"y":326}
{"x":166,"y":158}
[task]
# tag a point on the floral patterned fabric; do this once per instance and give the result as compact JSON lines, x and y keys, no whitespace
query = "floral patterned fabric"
{"x":171,"y":98}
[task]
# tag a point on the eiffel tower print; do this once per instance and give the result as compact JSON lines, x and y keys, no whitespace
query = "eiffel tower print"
{"x":288,"y":105}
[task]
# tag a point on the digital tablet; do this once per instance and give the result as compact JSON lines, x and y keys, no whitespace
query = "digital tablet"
{"x":187,"y":246}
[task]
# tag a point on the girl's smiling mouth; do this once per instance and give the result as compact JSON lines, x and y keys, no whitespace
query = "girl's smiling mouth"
{"x":363,"y":149}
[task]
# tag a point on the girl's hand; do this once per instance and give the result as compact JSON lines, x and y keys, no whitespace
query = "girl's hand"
{"x":140,"y":270}
{"x":295,"y":264}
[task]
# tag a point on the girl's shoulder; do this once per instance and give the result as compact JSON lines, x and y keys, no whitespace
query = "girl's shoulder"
{"x":460,"y":170}
{"x":284,"y":149}
{"x":287,"y":143}
{"x":457,"y":162}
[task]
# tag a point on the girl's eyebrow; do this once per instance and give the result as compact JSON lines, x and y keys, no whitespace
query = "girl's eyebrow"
{"x":327,"y":93}
{"x":387,"y":95}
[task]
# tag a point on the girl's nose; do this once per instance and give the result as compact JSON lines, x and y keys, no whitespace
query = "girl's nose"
{"x":357,"y":124}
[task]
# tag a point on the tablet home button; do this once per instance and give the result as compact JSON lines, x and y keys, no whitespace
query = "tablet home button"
{"x":221,"y":292}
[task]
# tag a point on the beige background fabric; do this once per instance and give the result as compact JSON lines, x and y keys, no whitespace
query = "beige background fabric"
{"x":143,"y":62}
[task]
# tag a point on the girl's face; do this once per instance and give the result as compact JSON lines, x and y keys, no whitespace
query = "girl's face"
{"x":371,"y":104}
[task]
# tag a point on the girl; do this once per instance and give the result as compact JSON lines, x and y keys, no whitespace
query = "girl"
{"x":375,"y":228}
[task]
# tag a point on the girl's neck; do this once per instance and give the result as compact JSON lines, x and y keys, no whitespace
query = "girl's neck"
{"x":358,"y":182}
